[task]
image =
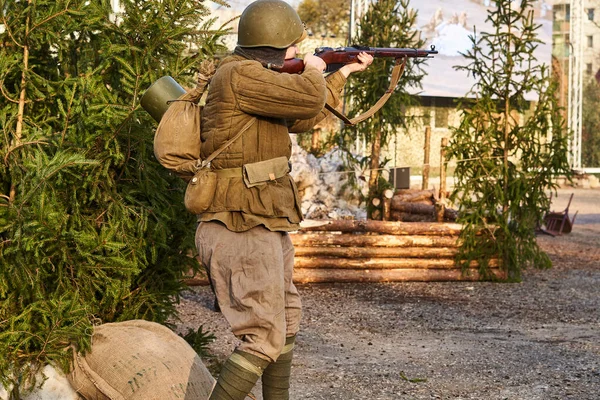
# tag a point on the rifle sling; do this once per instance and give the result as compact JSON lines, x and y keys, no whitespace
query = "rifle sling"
{"x":396,"y":74}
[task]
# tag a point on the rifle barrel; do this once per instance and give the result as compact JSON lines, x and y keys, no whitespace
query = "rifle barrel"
{"x":378,"y":51}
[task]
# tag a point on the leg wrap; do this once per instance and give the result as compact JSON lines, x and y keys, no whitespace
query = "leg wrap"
{"x":238,"y":376}
{"x":276,"y":378}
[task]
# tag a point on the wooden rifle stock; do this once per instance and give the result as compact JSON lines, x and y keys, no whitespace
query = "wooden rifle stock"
{"x":338,"y":57}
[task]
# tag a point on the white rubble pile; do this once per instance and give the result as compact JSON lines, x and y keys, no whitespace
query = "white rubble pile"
{"x":321,"y":186}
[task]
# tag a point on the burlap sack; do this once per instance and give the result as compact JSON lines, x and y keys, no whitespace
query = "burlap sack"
{"x":140,"y":360}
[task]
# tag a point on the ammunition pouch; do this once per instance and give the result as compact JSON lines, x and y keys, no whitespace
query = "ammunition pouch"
{"x":261,"y":172}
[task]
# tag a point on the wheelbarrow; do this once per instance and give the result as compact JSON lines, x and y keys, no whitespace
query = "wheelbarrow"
{"x":558,"y":222}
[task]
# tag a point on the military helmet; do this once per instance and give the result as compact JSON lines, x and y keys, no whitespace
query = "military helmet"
{"x":157,"y":98}
{"x":272,"y":23}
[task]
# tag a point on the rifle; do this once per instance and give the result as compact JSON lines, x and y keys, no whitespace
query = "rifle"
{"x":340,"y":56}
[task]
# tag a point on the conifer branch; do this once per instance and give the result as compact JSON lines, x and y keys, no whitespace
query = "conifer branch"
{"x":67,"y":117}
{"x":51,"y":174}
{"x":6,"y":95}
{"x":13,"y":148}
{"x":9,"y":30}
{"x":20,"y":113}
{"x":50,"y":18}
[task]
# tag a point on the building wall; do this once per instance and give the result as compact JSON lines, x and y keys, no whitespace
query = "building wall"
{"x":407,"y":148}
{"x":591,"y":31}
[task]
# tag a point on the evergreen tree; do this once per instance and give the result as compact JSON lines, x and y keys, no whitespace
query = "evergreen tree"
{"x":387,"y":23}
{"x":92,"y":229}
{"x":325,"y":17}
{"x":504,"y":164}
{"x":590,"y":156}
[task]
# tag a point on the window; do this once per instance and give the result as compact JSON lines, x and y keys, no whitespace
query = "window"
{"x":590,"y":13}
{"x":590,"y":41}
{"x":562,"y":12}
{"x":441,"y":117}
{"x":588,"y":69}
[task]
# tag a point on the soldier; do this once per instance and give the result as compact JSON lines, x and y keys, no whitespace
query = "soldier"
{"x":242,"y":238}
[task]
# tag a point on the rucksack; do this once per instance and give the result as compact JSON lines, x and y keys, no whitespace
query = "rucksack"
{"x":177,"y":141}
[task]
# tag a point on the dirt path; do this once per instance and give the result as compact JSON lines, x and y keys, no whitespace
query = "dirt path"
{"x":539,"y":339}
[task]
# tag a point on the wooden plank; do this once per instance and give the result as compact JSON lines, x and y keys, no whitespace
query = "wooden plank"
{"x":389,"y":227}
{"x":196,"y":281}
{"x":304,"y":275}
{"x":321,"y":275}
{"x":379,"y":263}
{"x":377,"y":252}
{"x":365,"y":240}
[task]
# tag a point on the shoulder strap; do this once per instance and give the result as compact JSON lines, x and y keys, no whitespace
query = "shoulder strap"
{"x":227,"y":144}
{"x":396,"y":74}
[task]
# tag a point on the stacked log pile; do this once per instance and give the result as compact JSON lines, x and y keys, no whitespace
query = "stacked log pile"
{"x":409,"y":205}
{"x":380,"y":251}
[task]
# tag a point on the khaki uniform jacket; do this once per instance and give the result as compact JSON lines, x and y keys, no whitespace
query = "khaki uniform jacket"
{"x":283,"y":103}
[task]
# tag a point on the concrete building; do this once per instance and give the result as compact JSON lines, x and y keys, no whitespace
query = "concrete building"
{"x":561,"y":35}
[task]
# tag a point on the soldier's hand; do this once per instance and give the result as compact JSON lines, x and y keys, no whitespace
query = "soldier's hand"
{"x":313,"y":61}
{"x":364,"y":60}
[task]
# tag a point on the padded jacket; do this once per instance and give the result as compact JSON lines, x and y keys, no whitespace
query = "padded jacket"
{"x":282,"y":103}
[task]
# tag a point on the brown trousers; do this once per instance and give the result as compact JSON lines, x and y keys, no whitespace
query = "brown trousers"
{"x":251,"y":273}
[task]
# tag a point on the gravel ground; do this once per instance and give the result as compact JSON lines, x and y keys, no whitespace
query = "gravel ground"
{"x":538,"y":339}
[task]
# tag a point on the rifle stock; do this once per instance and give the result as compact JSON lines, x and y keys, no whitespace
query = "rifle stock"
{"x":338,"y":57}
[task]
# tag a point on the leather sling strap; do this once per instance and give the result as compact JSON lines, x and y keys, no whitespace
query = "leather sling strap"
{"x":225,"y":145}
{"x":397,"y":72}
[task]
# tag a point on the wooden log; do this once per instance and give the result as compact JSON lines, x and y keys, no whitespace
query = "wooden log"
{"x":441,"y":205}
{"x":428,"y":201}
{"x":415,"y":197}
{"x":450,"y":215}
{"x":377,"y":252}
{"x":376,"y":202}
{"x":408,"y":217}
{"x":311,"y":275}
{"x":388,"y":193}
{"x":196,"y":281}
{"x":412,"y":208}
{"x":376,"y":215}
{"x":387,"y":208}
{"x":367,"y":240}
{"x":403,"y":213}
{"x":303,"y":275}
{"x":389,"y":227}
{"x":380,"y":263}
{"x":412,"y":192}
{"x":426,"y":149}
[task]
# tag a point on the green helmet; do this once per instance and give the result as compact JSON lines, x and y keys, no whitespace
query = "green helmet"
{"x":272,"y":23}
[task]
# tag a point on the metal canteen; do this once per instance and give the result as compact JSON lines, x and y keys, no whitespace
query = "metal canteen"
{"x":156,"y":98}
